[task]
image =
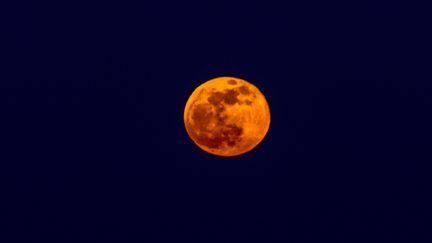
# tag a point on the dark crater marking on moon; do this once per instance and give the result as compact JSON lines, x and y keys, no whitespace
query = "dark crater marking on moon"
{"x":232,"y":82}
{"x":244,"y":90}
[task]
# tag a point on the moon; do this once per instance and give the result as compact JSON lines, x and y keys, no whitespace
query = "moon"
{"x":227,"y":116}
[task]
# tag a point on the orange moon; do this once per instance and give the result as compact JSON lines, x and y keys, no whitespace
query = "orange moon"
{"x":227,"y":116}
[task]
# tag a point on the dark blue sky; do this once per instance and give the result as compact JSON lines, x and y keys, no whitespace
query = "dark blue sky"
{"x":96,"y":149}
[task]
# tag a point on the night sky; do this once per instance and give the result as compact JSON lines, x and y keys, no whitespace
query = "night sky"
{"x":95,"y":148}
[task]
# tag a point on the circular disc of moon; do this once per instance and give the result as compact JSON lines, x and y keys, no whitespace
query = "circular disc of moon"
{"x":227,"y":116}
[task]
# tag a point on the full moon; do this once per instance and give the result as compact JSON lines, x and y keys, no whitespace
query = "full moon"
{"x":227,"y":116}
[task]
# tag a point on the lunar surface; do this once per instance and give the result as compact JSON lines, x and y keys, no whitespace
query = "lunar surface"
{"x":227,"y":116}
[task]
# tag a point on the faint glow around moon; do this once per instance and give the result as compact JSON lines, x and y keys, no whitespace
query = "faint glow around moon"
{"x":227,"y":116}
